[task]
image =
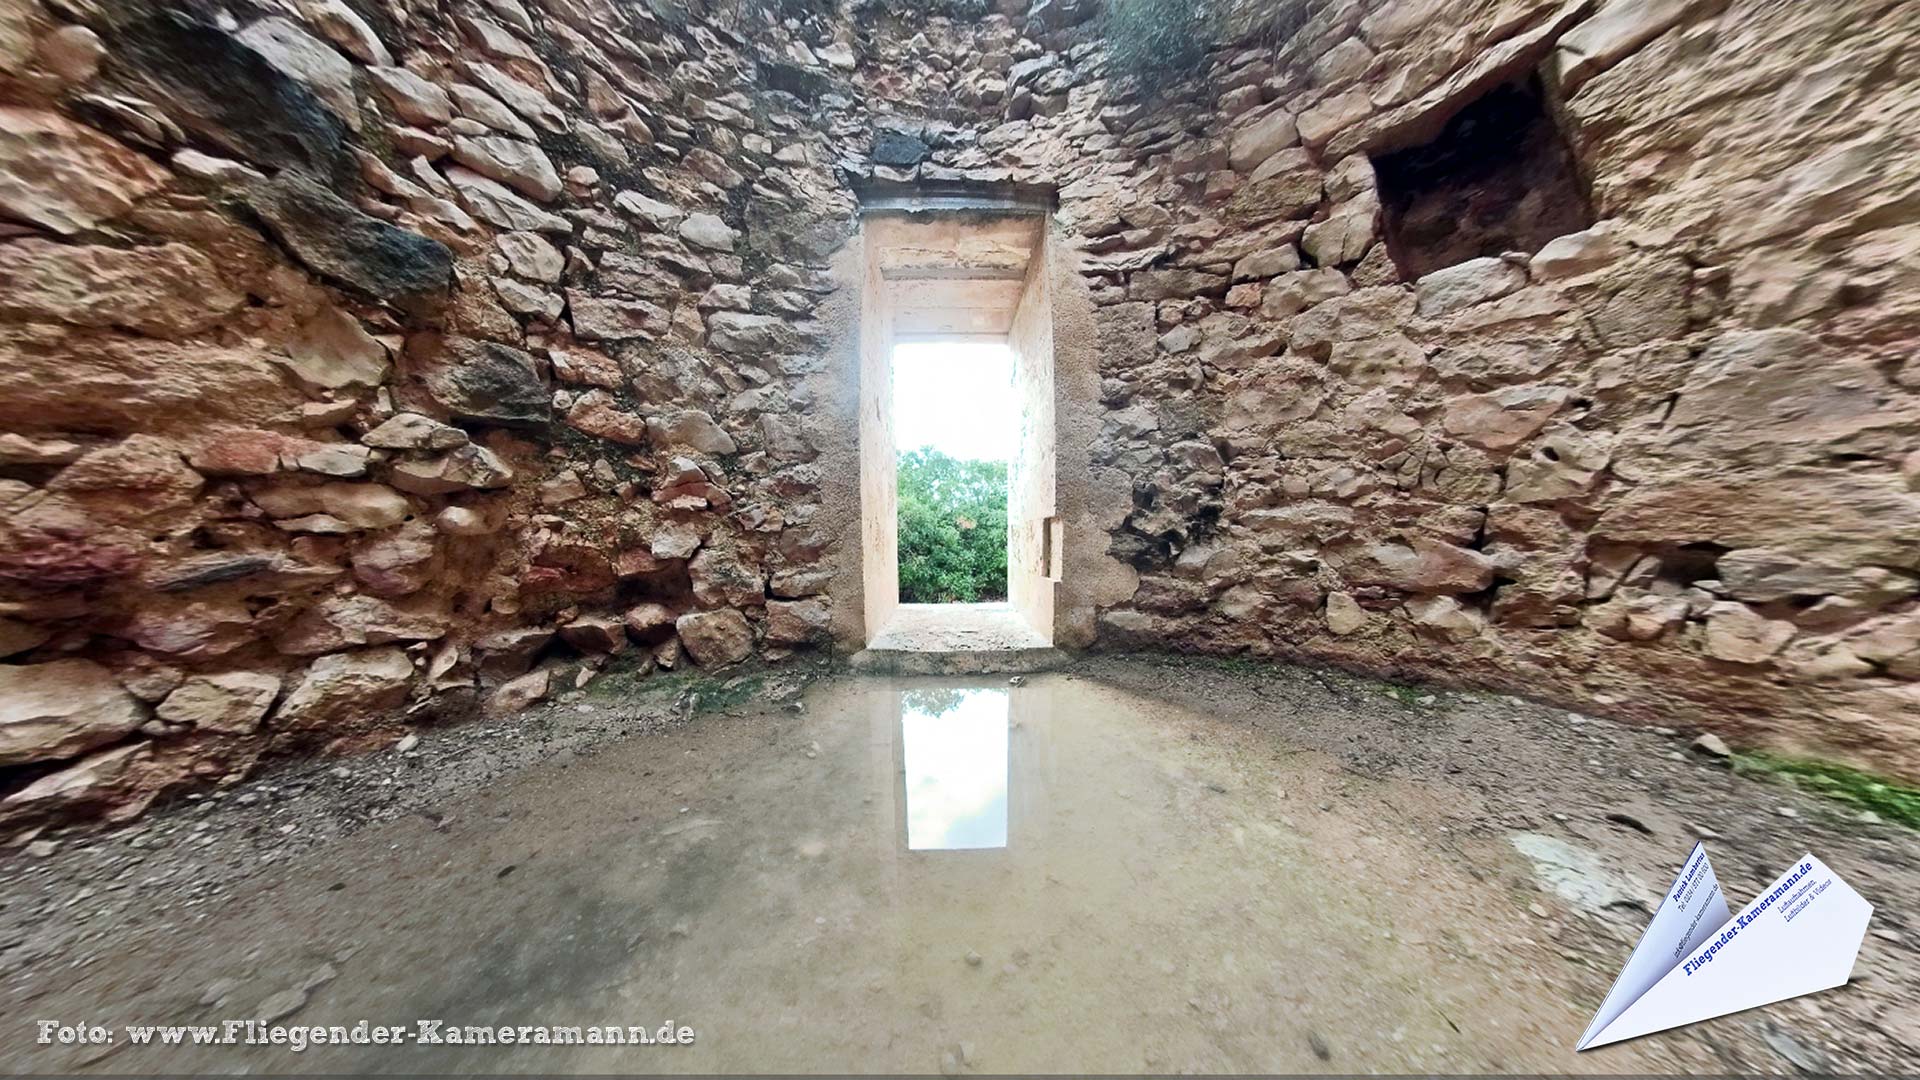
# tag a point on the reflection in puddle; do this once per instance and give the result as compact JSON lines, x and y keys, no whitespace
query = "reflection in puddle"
{"x":956,"y":768}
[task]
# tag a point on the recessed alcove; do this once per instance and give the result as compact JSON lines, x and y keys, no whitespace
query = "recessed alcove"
{"x":1498,"y":177}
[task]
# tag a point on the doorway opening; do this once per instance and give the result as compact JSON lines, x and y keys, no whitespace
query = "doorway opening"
{"x":954,"y":433}
{"x":957,"y":427}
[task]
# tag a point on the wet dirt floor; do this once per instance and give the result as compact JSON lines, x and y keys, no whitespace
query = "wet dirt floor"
{"x":1126,"y":867}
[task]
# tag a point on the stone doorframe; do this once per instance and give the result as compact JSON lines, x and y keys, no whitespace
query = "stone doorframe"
{"x":989,"y":266}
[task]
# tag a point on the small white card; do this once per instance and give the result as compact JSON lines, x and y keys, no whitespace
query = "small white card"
{"x":1695,"y":962}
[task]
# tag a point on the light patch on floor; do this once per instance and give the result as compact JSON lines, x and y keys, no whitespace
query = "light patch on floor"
{"x":943,"y":628}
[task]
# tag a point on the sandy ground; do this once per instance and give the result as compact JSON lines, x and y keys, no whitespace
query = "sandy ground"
{"x":1208,"y":868}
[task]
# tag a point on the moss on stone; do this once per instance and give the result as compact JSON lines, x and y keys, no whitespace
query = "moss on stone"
{"x":1889,"y":800}
{"x":627,"y":676}
{"x":626,"y":679}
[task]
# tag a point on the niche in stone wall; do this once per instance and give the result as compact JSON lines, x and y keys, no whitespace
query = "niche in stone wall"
{"x":1499,"y":177}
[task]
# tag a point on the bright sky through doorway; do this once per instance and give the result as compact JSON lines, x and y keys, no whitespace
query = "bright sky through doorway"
{"x":956,"y":397}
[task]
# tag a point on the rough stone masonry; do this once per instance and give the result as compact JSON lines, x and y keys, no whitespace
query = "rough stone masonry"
{"x":365,"y":359}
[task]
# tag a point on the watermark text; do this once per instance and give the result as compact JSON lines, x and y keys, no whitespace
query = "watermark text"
{"x":297,"y":1037}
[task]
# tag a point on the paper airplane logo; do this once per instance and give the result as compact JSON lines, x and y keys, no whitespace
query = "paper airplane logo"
{"x":1695,"y":962}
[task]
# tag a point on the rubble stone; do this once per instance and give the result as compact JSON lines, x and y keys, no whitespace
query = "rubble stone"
{"x":1738,"y":634}
{"x":346,"y":689}
{"x":464,"y":468}
{"x":60,"y":709}
{"x":1475,"y":281}
{"x":65,"y":177}
{"x":232,"y":703}
{"x":715,"y":638}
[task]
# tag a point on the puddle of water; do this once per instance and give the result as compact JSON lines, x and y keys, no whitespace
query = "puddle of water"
{"x":954,"y":745}
{"x":922,"y":874}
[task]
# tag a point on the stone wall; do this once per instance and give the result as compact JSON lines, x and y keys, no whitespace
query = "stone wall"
{"x":370,"y":359}
{"x":1662,"y":467}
